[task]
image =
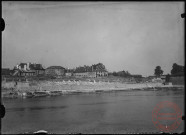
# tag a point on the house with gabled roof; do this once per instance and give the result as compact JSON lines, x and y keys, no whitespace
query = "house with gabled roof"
{"x":28,"y":69}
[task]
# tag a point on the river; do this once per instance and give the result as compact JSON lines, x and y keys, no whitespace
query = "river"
{"x":110,"y":112}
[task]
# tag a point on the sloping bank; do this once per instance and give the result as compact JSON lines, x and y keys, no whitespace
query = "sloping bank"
{"x":50,"y":88}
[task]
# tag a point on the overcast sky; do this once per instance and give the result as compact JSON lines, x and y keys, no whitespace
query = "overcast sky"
{"x":132,"y":36}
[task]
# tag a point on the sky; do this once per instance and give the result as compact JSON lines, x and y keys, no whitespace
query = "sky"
{"x":131,"y":36}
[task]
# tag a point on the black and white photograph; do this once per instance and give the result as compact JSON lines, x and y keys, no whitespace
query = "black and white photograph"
{"x":92,"y":67}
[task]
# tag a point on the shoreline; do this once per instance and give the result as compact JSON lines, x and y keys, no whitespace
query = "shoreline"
{"x":42,"y":89}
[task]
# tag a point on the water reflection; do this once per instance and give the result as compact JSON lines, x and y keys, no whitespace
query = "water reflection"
{"x":35,"y":108}
{"x":110,"y":112}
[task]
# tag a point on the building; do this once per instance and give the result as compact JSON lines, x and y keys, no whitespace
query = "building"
{"x":177,"y":76}
{"x":137,"y":76}
{"x":55,"y":71}
{"x":82,"y":74}
{"x":100,"y":70}
{"x":28,"y":69}
{"x":37,"y":68}
{"x":163,"y":77}
{"x":92,"y":74}
{"x":101,"y":73}
{"x":85,"y":74}
{"x":6,"y":72}
{"x":96,"y":70}
{"x":177,"y":79}
{"x":69,"y":72}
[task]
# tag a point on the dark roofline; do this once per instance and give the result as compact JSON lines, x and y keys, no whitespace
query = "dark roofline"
{"x":55,"y":67}
{"x":22,"y":63}
{"x":5,"y":68}
{"x":36,"y":66}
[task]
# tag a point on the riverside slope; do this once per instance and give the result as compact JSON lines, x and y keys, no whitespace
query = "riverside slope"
{"x":12,"y":89}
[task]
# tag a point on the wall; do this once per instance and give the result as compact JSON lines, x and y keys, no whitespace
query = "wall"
{"x":40,"y":72}
{"x":92,"y":74}
{"x":84,"y":74}
{"x":177,"y":80}
{"x":68,"y":74}
{"x":99,"y":73}
{"x":54,"y":72}
{"x":8,"y":84}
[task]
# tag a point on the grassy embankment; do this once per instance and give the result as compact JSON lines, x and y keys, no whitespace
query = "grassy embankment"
{"x":72,"y":84}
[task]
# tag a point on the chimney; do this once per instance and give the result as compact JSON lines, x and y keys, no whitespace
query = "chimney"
{"x":28,"y":66}
{"x":25,"y":67}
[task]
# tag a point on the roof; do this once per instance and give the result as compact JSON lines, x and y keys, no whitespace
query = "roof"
{"x":36,"y":67}
{"x":32,"y":66}
{"x":55,"y":67}
{"x":22,"y":65}
{"x":100,"y":70}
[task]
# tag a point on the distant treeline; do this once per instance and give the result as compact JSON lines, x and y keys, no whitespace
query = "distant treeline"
{"x":177,"y":69}
{"x":125,"y":74}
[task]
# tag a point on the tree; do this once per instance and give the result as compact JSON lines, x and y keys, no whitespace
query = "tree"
{"x":176,"y":69}
{"x":158,"y":71}
{"x":122,"y":73}
{"x":128,"y":74}
{"x":114,"y":74}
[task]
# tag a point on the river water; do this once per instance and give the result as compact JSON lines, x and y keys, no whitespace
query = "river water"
{"x":110,"y":112}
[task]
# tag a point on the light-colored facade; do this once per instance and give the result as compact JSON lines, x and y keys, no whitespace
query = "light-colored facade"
{"x":68,"y":74}
{"x":101,"y":73}
{"x":85,"y":74}
{"x":96,"y":70}
{"x":93,"y":74}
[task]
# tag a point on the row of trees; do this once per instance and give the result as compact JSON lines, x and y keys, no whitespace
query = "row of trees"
{"x":86,"y":68}
{"x":125,"y":74}
{"x":122,"y":73}
{"x":176,"y":70}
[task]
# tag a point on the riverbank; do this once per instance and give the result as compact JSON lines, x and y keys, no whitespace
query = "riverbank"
{"x":51,"y":88}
